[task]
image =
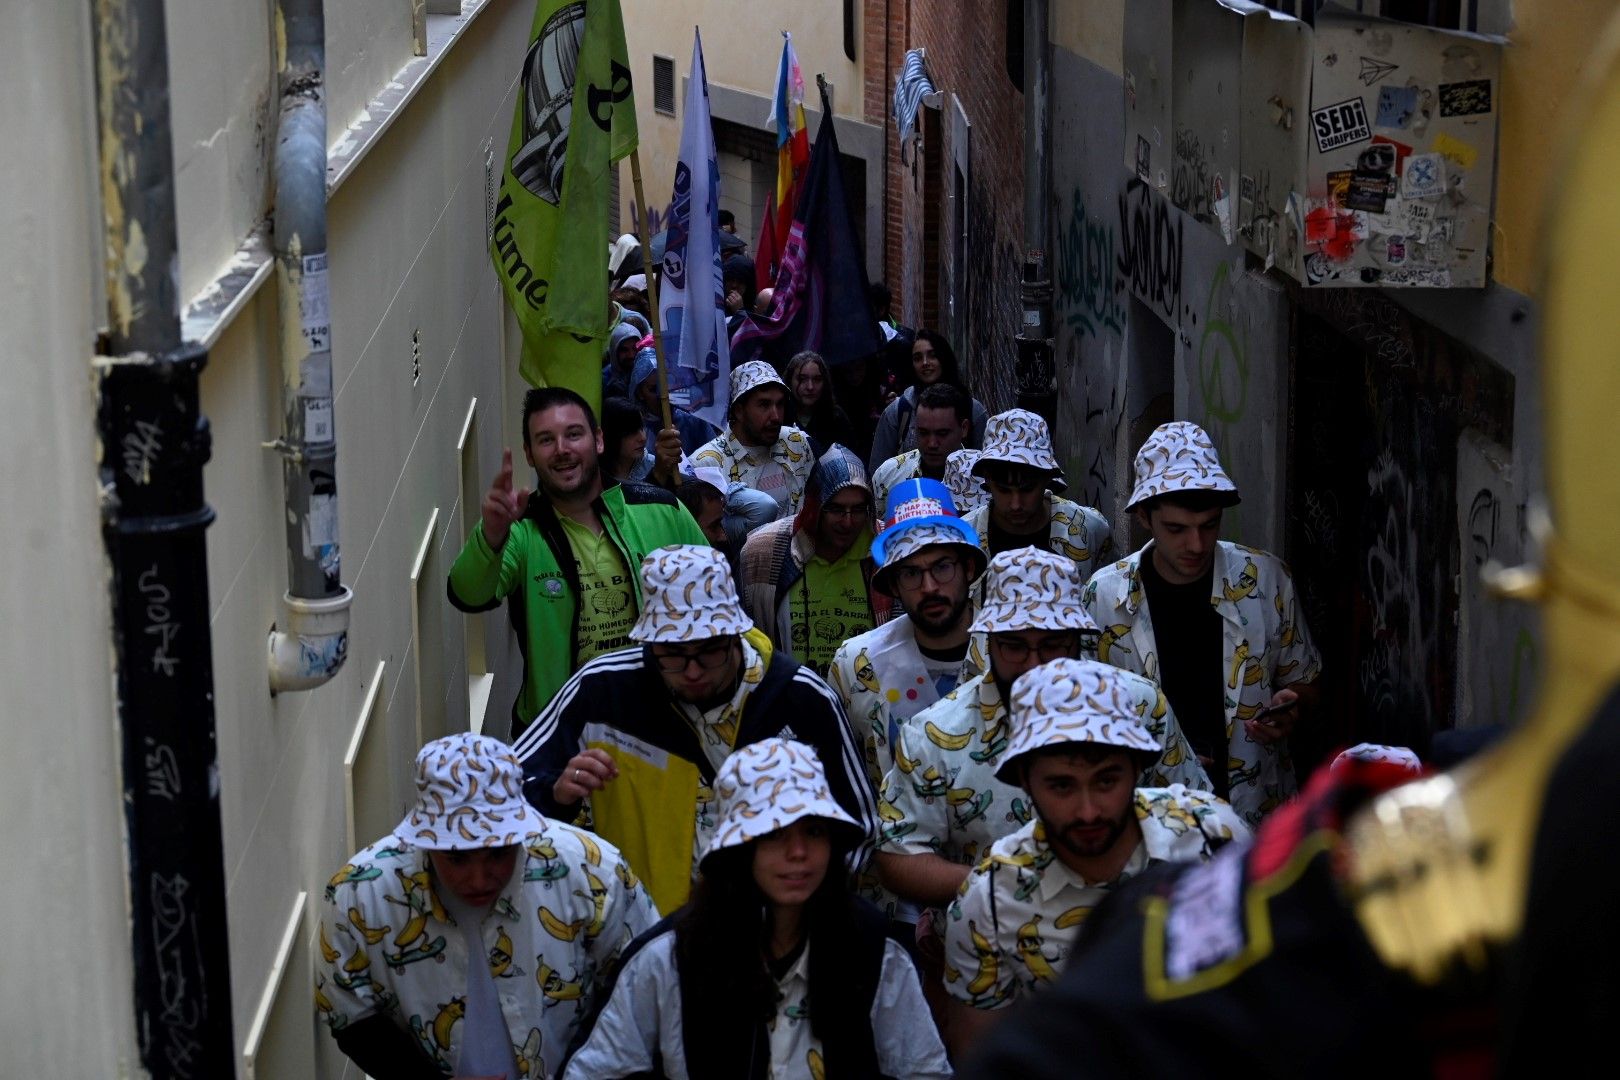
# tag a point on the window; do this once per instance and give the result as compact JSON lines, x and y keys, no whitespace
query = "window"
{"x":1013,"y":23}
{"x":1479,"y":16}
{"x":664,"y":85}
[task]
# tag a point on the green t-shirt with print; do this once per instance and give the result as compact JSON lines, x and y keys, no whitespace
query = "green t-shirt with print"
{"x":829,"y":605}
{"x":607,"y":601}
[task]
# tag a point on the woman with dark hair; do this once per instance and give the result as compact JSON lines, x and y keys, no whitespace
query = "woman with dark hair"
{"x":812,"y":406}
{"x":624,"y":454}
{"x":932,"y":361}
{"x":773,"y":969}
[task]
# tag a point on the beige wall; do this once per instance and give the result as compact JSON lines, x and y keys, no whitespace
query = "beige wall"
{"x":408,"y":257}
{"x":65,"y":939}
{"x":1091,"y":29}
{"x":742,"y":46}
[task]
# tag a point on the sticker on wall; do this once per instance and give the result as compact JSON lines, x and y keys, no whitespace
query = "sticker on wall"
{"x":1470,"y":98}
{"x":1338,"y":188}
{"x":1369,"y":191}
{"x":1397,"y":105}
{"x":1222,"y":204}
{"x":1343,"y":123}
{"x":1417,"y":218}
{"x":1425,"y":176}
{"x":1381,"y":150}
{"x":1372,"y":70}
{"x":1395,"y":250}
{"x":1144,"y":159}
{"x":1464,"y":154}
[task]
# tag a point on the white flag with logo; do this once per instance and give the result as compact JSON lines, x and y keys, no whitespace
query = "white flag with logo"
{"x":691,"y":299}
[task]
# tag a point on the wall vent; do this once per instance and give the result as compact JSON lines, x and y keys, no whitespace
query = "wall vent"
{"x":664,"y":85}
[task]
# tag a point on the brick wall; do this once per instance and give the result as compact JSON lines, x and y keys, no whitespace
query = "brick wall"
{"x":966,"y":50}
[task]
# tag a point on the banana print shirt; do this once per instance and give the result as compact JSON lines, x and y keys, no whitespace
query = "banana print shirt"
{"x":884,"y":680}
{"x":639,"y":1029}
{"x":780,"y":471}
{"x":389,"y":946}
{"x":1076,"y":531}
{"x":1019,"y":912}
{"x":898,"y":469}
{"x":1265,"y":646}
{"x":941,"y":796}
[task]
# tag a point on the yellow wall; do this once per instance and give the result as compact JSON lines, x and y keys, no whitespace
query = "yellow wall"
{"x":1091,"y":29}
{"x":742,"y":45}
{"x":1552,"y":41}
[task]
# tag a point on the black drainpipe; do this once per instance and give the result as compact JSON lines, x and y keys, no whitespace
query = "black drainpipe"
{"x":1034,"y":369}
{"x":154,"y":443}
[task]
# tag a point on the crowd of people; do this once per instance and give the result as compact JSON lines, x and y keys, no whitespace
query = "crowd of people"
{"x":834,"y":727}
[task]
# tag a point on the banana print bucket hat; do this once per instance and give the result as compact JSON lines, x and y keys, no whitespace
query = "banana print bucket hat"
{"x":965,"y":488}
{"x":1179,"y":456}
{"x":752,"y":376}
{"x":769,"y":785}
{"x":1031,"y":589}
{"x":1019,"y":437}
{"x":469,"y":795}
{"x":1072,"y":701}
{"x":687,"y":594}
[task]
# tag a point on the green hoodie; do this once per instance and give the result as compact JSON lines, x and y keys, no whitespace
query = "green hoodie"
{"x":639,"y":518}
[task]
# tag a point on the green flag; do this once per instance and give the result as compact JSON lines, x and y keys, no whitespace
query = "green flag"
{"x":575,"y":118}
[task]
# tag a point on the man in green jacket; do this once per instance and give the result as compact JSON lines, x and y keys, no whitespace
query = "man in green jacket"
{"x":567,"y":554}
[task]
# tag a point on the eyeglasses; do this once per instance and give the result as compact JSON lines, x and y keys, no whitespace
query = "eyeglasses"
{"x":847,"y":511}
{"x":708,"y":657}
{"x":1016,"y":650}
{"x":943,"y":571}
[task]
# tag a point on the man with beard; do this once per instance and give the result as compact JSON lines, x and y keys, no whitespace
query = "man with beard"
{"x":564,"y":553}
{"x":1031,"y":615}
{"x":756,"y":449}
{"x":1077,"y":746}
{"x":927,"y":557}
{"x":633,"y":741}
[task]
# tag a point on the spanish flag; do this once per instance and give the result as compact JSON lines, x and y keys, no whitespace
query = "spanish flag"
{"x":792,"y":159}
{"x":575,"y":118}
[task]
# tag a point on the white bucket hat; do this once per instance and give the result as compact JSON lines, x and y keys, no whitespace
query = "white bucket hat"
{"x":1391,"y":755}
{"x":469,"y":795}
{"x":966,"y":489}
{"x":1019,"y":437}
{"x":1179,"y":456}
{"x":769,"y":785}
{"x":687,"y":595}
{"x":752,"y":376}
{"x":1030,"y":589}
{"x":1072,"y":701}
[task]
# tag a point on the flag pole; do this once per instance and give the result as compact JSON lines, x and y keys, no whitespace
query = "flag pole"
{"x":652,"y":288}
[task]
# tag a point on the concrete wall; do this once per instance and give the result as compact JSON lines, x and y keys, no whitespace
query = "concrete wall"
{"x":419,"y":333}
{"x":1137,"y":281}
{"x":1156,"y":319}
